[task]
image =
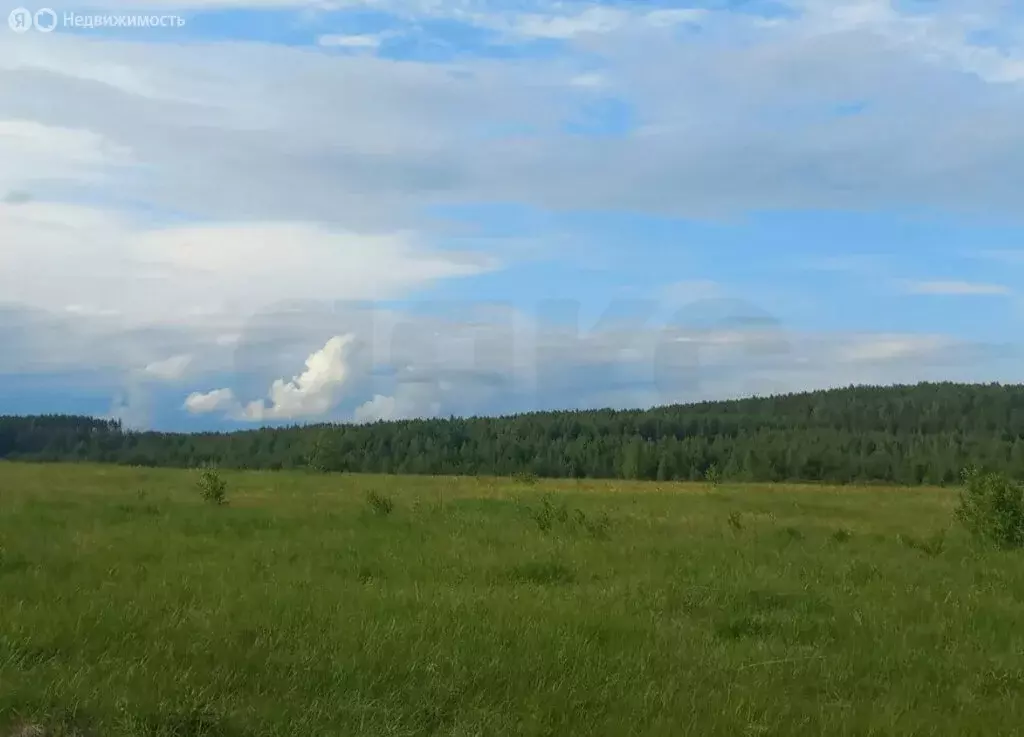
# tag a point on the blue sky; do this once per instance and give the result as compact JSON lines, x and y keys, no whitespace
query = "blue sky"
{"x":304,"y":211}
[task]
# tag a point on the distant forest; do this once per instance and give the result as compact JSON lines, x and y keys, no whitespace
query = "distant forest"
{"x":922,"y":434}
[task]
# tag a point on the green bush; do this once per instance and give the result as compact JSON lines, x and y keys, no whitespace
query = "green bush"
{"x":713,"y":475}
{"x":992,"y":508}
{"x":841,"y":535}
{"x":573,"y":520}
{"x":379,"y":504}
{"x":546,"y":515}
{"x":213,"y":488}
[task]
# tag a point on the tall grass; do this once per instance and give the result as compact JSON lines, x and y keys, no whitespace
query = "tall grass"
{"x":131,"y":607}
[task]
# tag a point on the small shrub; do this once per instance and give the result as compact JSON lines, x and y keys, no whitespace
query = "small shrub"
{"x":379,"y":504}
{"x":713,"y":475}
{"x":991,"y":507}
{"x":736,"y":521}
{"x":549,"y":514}
{"x":213,"y":488}
{"x":599,"y":527}
{"x":841,"y":536}
{"x":546,"y":515}
{"x":526,"y":477}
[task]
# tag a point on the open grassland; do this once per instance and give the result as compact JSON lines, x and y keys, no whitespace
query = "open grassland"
{"x":129,"y":606}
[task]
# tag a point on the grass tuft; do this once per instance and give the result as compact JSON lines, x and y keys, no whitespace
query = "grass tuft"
{"x":546,"y":573}
{"x":379,"y":504}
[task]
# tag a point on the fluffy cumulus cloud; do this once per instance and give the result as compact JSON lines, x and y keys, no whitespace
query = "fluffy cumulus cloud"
{"x":212,"y":401}
{"x":175,"y":216}
{"x":312,"y":393}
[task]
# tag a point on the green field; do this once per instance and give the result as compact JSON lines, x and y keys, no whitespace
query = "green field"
{"x":491,"y":607}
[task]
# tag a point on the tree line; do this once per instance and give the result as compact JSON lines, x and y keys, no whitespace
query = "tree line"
{"x":920,"y":434}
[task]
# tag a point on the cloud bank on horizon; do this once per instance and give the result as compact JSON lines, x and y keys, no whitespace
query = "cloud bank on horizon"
{"x":285,"y":211}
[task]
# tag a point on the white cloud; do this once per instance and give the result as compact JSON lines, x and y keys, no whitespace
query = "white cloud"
{"x":956,"y":288}
{"x":673,"y":16}
{"x":591,"y":20}
{"x":312,"y":393}
{"x":169,"y":369}
{"x":884,"y":348}
{"x":270,"y":132}
{"x":356,"y":41}
{"x":378,"y":408}
{"x":110,"y":263}
{"x":935,"y":36}
{"x":590,"y":81}
{"x":34,"y":152}
{"x":595,"y":19}
{"x":217,"y":400}
{"x":408,"y":403}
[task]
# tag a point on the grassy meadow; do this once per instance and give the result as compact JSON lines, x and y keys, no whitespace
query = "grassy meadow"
{"x":493,"y":607}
